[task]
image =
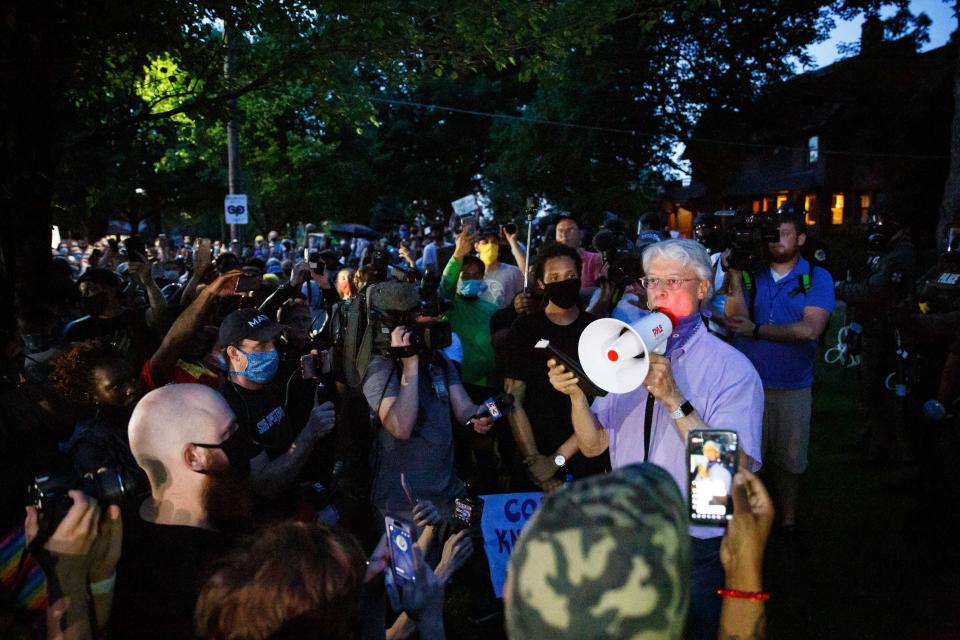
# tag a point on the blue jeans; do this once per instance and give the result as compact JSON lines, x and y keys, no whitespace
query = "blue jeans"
{"x":706,"y":576}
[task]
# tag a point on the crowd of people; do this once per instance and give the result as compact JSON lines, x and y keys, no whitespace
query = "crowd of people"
{"x":212,"y":433}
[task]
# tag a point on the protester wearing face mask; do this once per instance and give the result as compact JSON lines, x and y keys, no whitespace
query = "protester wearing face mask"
{"x":187,"y":440}
{"x":504,"y":281}
{"x":470,"y":319}
{"x":540,"y":420}
{"x":251,"y":363}
{"x":133,"y":331}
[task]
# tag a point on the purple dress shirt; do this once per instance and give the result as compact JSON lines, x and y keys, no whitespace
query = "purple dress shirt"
{"x":720,"y":383}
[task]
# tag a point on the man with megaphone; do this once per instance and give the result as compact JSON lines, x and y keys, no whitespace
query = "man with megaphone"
{"x":667,"y":374}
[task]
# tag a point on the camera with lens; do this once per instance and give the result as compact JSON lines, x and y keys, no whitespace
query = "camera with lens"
{"x":419,"y":308}
{"x":49,"y":494}
{"x":623,"y":262}
{"x":747,"y":239}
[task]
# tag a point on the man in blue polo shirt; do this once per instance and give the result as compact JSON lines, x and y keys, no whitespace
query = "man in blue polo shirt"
{"x":776,"y":317}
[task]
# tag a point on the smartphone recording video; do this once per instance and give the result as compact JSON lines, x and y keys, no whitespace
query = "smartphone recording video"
{"x":713,"y":463}
{"x":400,"y":538}
{"x":248,"y":283}
{"x":468,"y":220}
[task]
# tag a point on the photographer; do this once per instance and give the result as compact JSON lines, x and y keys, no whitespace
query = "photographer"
{"x":412,"y":396}
{"x":776,"y":323}
{"x":247,"y":344}
{"x":79,"y":563}
{"x":699,"y":383}
{"x":874,"y":299}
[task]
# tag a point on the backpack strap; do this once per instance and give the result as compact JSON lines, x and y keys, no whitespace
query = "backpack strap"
{"x":750,"y":292}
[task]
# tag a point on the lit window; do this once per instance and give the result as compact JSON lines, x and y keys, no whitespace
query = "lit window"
{"x":756,"y":206}
{"x":836,"y":211}
{"x":781,"y":199}
{"x":813,"y":149}
{"x":865,"y":202}
{"x":810,"y":206}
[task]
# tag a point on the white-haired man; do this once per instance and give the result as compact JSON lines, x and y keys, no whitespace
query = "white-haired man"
{"x":700,"y":383}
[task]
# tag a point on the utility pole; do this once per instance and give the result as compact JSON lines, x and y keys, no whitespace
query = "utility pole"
{"x":233,"y":134}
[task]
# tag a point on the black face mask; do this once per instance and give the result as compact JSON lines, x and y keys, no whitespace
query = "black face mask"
{"x":564,"y":293}
{"x":94,"y":305}
{"x":239,"y":450}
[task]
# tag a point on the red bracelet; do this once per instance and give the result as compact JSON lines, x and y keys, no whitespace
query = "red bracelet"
{"x":745,"y":595}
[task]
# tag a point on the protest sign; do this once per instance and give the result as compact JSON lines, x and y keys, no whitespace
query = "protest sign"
{"x":504,"y":515}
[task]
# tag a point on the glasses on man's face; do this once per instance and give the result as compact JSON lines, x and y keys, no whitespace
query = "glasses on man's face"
{"x":670,"y":284}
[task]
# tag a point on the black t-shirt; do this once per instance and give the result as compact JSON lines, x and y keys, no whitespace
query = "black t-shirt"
{"x":159,"y":576}
{"x":547,"y":408}
{"x":261,"y":414}
{"x":128,"y":332}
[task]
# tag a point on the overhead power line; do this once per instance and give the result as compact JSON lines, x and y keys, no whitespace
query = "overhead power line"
{"x":633,"y":132}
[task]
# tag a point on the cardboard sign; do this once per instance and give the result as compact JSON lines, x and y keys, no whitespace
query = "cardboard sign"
{"x":504,"y":515}
{"x":465,"y":206}
{"x":235,"y":208}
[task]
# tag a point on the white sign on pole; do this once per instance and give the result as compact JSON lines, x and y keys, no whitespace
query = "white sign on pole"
{"x":466,"y":205}
{"x":504,"y":515}
{"x":235,"y":208}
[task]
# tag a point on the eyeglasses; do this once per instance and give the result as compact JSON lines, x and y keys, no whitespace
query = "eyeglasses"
{"x":670,"y":284}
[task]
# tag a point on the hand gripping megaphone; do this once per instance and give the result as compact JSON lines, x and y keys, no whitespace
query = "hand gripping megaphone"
{"x":615,"y":355}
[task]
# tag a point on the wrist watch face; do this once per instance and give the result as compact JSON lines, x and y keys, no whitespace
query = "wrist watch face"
{"x":559,"y":460}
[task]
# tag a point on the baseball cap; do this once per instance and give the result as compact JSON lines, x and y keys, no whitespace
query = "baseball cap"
{"x":605,"y":557}
{"x":247,"y":324}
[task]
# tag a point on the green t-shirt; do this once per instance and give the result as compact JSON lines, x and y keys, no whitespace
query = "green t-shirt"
{"x":470,"y":319}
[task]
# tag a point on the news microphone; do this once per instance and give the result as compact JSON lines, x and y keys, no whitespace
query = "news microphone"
{"x":496,"y":407}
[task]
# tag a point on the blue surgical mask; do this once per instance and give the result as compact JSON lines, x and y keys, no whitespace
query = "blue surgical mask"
{"x":261,"y":366}
{"x":471,"y":289}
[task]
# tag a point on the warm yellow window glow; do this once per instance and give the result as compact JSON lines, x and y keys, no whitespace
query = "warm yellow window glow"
{"x":810,"y":206}
{"x":756,"y":206}
{"x":836,"y":211}
{"x":865,"y":202}
{"x":685,"y":222}
{"x":781,"y":199}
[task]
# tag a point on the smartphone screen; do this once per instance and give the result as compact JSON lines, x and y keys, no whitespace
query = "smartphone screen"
{"x":247,"y":283}
{"x":401,"y":549}
{"x":713,"y":463}
{"x":469,"y":220}
{"x":135,"y":248}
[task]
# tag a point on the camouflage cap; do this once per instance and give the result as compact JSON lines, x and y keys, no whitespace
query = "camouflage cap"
{"x":605,"y":557}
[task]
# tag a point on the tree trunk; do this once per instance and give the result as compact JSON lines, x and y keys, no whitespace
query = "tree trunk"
{"x":950,"y":206}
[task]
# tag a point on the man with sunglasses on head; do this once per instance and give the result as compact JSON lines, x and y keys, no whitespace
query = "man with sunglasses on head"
{"x":700,"y":382}
{"x":250,"y":361}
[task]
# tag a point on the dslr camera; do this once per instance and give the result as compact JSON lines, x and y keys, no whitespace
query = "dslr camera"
{"x":49,"y":494}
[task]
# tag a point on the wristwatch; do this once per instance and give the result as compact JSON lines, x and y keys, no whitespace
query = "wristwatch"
{"x":683,"y":410}
{"x":559,"y":460}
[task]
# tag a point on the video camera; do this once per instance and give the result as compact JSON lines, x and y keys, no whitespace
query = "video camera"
{"x":747,"y":239}
{"x":419,"y":308}
{"x":49,"y":494}
{"x":624,"y":264}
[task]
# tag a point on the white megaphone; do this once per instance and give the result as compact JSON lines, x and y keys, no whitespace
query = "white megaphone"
{"x":615,"y":355}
